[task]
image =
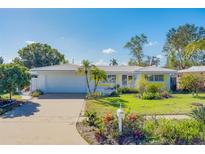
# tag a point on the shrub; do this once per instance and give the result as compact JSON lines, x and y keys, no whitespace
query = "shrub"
{"x":142,"y":83}
{"x":114,"y":94}
{"x":126,"y":90}
{"x":166,"y":131}
{"x":137,"y":130}
{"x":199,"y":114}
{"x":36,"y":93}
{"x":153,"y":88}
{"x":154,"y":91}
{"x":133,"y":129}
{"x":150,"y":96}
{"x":192,"y":83}
{"x":92,"y":119}
{"x":109,"y":126}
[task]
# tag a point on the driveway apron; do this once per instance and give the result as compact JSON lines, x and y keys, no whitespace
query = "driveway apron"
{"x":51,"y":119}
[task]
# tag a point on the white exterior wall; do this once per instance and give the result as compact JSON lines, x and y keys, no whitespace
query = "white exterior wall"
{"x":61,"y":82}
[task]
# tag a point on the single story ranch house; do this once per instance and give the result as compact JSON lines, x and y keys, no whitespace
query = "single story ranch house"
{"x":65,"y":78}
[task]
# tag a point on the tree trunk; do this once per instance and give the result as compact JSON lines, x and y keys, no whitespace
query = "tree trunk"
{"x":88,"y":85}
{"x":96,"y":85}
{"x":10,"y":93}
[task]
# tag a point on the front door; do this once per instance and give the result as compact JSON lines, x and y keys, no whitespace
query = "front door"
{"x":124,"y":80}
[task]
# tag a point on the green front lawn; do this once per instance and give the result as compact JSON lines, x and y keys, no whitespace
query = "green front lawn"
{"x":178,"y":104}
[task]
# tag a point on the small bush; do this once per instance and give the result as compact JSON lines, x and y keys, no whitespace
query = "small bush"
{"x":114,"y":94}
{"x":153,"y":88}
{"x":92,"y":118}
{"x":150,"y":96}
{"x":199,"y":114}
{"x":154,"y":91}
{"x":36,"y":93}
{"x":126,"y":90}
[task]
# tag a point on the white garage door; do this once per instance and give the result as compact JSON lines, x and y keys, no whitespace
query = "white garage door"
{"x":65,"y":83}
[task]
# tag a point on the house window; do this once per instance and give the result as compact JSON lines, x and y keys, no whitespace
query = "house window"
{"x":154,"y":77}
{"x":149,"y":77}
{"x":111,"y":79}
{"x":159,"y":78}
{"x":129,"y":78}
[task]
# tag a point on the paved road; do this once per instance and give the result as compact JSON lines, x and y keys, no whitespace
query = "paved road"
{"x":48,"y":120}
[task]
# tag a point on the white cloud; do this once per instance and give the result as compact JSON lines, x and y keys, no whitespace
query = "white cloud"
{"x":151,"y":43}
{"x":108,"y":51}
{"x":101,"y":62}
{"x":30,"y":42}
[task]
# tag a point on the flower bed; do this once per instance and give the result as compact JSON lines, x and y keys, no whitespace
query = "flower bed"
{"x":137,"y":130}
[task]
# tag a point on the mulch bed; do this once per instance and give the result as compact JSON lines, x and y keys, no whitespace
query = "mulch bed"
{"x":87,"y":132}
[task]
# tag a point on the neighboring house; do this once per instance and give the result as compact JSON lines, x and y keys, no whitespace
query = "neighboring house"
{"x":193,"y":69}
{"x":65,"y":79}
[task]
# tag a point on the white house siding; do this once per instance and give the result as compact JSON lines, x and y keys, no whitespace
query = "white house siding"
{"x":61,"y":82}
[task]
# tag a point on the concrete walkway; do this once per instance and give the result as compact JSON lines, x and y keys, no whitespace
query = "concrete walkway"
{"x":48,"y":120}
{"x":179,"y":117}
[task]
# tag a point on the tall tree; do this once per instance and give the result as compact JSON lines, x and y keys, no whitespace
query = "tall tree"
{"x":85,"y":70}
{"x":176,"y":42}
{"x":135,"y":45}
{"x":38,"y":55}
{"x":97,"y":75}
{"x":152,"y":60}
{"x":1,"y":60}
{"x":113,"y":62}
{"x":13,"y":77}
{"x":196,"y":45}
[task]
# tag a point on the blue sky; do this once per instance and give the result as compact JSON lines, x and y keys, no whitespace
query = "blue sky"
{"x":94,"y":34}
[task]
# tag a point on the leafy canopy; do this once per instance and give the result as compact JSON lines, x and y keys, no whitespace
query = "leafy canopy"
{"x":85,"y":69}
{"x":97,"y":75}
{"x":38,"y":55}
{"x":135,"y":45}
{"x":176,"y":43}
{"x":192,"y":82}
{"x":13,"y":77}
{"x":113,"y":62}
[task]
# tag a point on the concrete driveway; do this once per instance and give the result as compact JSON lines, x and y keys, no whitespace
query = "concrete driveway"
{"x":50,"y":119}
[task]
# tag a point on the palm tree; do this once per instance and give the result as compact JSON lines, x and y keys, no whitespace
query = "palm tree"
{"x":97,"y":75}
{"x":85,"y":70}
{"x":113,"y":62}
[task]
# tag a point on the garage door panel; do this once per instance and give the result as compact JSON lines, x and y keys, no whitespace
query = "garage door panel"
{"x":65,"y":83}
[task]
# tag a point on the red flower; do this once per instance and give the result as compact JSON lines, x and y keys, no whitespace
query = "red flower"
{"x":132,"y":117}
{"x":107,"y":118}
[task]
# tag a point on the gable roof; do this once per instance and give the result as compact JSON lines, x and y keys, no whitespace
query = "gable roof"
{"x":155,"y":69}
{"x":63,"y":67}
{"x":193,"y":69}
{"x":72,"y":67}
{"x":122,"y":68}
